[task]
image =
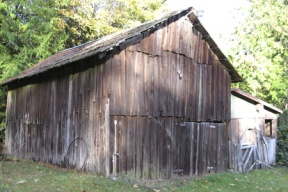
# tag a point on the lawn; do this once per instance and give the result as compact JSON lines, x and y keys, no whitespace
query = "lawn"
{"x":31,"y":176}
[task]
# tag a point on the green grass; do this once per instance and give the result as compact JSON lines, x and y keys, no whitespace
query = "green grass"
{"x":275,"y":179}
{"x":31,"y":176}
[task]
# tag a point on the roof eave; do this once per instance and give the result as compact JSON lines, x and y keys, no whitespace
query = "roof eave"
{"x":126,"y":35}
{"x":235,"y":77}
{"x":255,"y":99}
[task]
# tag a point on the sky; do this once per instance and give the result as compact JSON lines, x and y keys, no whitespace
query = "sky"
{"x":219,"y":17}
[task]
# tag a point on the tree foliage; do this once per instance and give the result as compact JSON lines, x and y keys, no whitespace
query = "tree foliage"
{"x":260,"y":51}
{"x":282,"y":139}
{"x":31,"y":30}
{"x":95,"y":19}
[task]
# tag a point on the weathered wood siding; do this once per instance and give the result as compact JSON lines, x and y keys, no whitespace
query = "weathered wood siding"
{"x":165,"y":146}
{"x":145,"y":79}
{"x":73,"y":107}
{"x":246,"y":114}
{"x":47,"y":117}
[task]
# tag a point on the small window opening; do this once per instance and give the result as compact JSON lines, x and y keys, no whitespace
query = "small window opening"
{"x":268,"y":128}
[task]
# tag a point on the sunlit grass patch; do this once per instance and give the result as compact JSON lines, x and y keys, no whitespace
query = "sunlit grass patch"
{"x":29,"y":176}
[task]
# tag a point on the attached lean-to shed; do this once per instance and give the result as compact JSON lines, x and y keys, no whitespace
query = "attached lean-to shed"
{"x":151,"y":101}
{"x":252,"y":132}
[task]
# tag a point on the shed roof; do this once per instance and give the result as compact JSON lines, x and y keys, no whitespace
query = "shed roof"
{"x":248,"y":97}
{"x":117,"y":39}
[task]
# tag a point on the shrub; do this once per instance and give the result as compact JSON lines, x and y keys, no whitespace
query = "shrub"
{"x":282,"y":139}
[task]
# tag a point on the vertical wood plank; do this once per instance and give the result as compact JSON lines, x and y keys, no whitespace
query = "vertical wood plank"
{"x":164,"y":82}
{"x":190,"y":38}
{"x":138,"y":101}
{"x":158,"y":40}
{"x":199,"y":91}
{"x":157,"y":63}
{"x":165,"y":35}
{"x":213,"y":146}
{"x":123,"y":88}
{"x":194,"y":91}
{"x":115,"y":99}
{"x":191,"y":127}
{"x":171,"y":74}
{"x":222,"y":92}
{"x":226,"y":147}
{"x":148,"y":86}
{"x":139,"y":144}
{"x":216,"y":92}
{"x":166,"y":161}
{"x":124,"y":144}
{"x":208,"y":93}
{"x":205,"y":85}
{"x":186,"y":86}
{"x":107,"y":140}
{"x":209,"y":148}
{"x":197,"y":148}
{"x":130,"y":81}
{"x":178,"y":84}
{"x":171,"y":31}
{"x":194,"y":44}
{"x":182,"y":87}
{"x":176,"y":34}
{"x":204,"y":147}
{"x":154,"y":149}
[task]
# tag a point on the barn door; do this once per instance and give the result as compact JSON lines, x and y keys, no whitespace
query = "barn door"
{"x":181,"y":148}
{"x":199,"y":148}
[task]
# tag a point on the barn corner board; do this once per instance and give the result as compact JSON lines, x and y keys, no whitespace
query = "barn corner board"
{"x":151,"y":101}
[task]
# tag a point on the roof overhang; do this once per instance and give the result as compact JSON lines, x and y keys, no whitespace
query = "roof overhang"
{"x":241,"y":94}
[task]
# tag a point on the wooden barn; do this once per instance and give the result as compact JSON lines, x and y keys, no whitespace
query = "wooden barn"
{"x":253,"y":132}
{"x":151,"y":101}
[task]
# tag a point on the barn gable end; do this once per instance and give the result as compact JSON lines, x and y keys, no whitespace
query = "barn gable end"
{"x":153,"y":105}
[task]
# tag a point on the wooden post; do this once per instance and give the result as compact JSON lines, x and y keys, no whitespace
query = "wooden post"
{"x":107,"y":126}
{"x":239,"y":157}
{"x":115,"y":151}
{"x":234,"y":146}
{"x":197,"y":149}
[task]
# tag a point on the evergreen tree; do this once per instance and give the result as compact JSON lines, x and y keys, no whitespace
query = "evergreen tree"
{"x":260,"y":51}
{"x":32,"y":30}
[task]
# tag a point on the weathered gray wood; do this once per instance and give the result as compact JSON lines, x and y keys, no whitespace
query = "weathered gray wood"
{"x":239,"y":158}
{"x":147,"y":97}
{"x":215,"y":151}
{"x":191,"y":127}
{"x":251,"y":150}
{"x":200,"y":92}
{"x":156,"y":86}
{"x":197,"y":150}
{"x":107,"y":140}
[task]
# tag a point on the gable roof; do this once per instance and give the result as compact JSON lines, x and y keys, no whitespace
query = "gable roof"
{"x":243,"y":95}
{"x":120,"y":39}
